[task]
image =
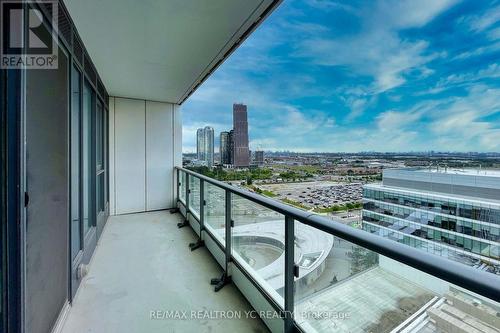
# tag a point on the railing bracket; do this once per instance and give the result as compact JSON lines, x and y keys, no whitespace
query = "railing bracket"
{"x":198,"y":244}
{"x":174,"y":210}
{"x":220,"y":282}
{"x":183,"y":224}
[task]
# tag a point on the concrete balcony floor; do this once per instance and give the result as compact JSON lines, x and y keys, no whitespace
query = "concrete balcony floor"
{"x":142,"y":264}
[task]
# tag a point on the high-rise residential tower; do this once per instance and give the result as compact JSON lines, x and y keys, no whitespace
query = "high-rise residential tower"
{"x":231,"y":147}
{"x":209,"y":145}
{"x":205,"y":145}
{"x":240,"y":127}
{"x":200,"y":144}
{"x":224,"y":148}
{"x":259,"y":157}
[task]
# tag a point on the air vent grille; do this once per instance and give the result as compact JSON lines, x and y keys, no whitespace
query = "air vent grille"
{"x":77,"y":49}
{"x":101,"y":89}
{"x":89,"y":69}
{"x":64,"y":25}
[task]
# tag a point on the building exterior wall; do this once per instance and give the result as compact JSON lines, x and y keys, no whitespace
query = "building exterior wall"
{"x":200,"y":144}
{"x":231,"y":146}
{"x":473,"y":185}
{"x":240,"y":126}
{"x":205,"y":145}
{"x":259,"y":157}
{"x":145,"y":139}
{"x":209,"y":146}
{"x":462,"y":229}
{"x":47,"y":183}
{"x":224,"y":148}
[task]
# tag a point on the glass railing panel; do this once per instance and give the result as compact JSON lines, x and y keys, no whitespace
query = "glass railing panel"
{"x":258,"y":238}
{"x":182,"y":186}
{"x":215,"y":211}
{"x":343,"y":287}
{"x":194,"y":195}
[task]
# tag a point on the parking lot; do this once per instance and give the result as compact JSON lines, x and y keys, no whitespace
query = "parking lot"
{"x":319,"y":194}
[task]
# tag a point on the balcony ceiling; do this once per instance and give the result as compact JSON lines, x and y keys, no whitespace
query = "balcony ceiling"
{"x":161,"y":50}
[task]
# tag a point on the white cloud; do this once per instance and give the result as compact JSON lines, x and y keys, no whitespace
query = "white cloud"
{"x":377,"y":50}
{"x":478,"y":51}
{"x":494,"y":34}
{"x":492,"y":71}
{"x":389,"y":121}
{"x":488,"y":19}
{"x":410,"y":13}
{"x":329,"y":5}
{"x":461,"y":120}
{"x":376,"y":55}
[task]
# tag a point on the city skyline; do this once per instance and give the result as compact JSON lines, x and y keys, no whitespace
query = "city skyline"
{"x":317,"y":82}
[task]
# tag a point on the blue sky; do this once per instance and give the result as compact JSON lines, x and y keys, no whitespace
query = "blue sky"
{"x":348,"y":76}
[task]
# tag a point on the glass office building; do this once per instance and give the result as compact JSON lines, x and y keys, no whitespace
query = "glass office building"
{"x":449,"y":213}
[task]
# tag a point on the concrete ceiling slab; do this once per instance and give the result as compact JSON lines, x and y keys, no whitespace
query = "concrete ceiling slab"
{"x":162,"y":50}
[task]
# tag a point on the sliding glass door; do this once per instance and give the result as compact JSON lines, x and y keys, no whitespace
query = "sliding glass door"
{"x":47,"y":180}
{"x":100,"y":122}
{"x":76,"y":113}
{"x":87,"y":163}
{"x":88,"y":128}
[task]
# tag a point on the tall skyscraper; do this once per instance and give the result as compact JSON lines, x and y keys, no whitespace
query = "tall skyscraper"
{"x":259,"y":157}
{"x":200,"y":144}
{"x":224,"y":148}
{"x":231,"y":147}
{"x":205,"y":145}
{"x":209,"y":146}
{"x":240,"y":127}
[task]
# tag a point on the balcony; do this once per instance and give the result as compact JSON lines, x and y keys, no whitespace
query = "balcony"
{"x":142,"y":265}
{"x":102,"y":231}
{"x":298,"y":271}
{"x":324,"y":276}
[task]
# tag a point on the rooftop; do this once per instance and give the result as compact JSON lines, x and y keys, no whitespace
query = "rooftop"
{"x":465,"y":172}
{"x":436,"y":195}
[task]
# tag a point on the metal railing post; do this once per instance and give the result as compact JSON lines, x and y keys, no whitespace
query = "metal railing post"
{"x":175,"y":209}
{"x":228,"y":224}
{"x":202,"y":206}
{"x":186,"y":220}
{"x":225,"y":278}
{"x":178,"y":183}
{"x":290,"y":272}
{"x":469,"y":278}
{"x":187,"y":194}
{"x":200,"y":242}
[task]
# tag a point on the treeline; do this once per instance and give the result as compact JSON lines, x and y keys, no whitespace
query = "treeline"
{"x":292,"y":175}
{"x":225,"y":175}
{"x":340,"y":208}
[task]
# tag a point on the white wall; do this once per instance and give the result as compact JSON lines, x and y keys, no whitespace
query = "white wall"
{"x":145,"y":145}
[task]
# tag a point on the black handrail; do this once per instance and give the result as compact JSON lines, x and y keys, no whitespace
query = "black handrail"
{"x":480,"y":282}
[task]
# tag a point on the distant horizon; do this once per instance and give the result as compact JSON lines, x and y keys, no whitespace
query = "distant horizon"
{"x":381,"y":75}
{"x":368,"y":152}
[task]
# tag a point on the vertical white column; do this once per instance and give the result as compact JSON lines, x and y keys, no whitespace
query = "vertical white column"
{"x":177,"y":144}
{"x":145,"y":146}
{"x":159,"y":155}
{"x":112,"y":190}
{"x":130,"y":155}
